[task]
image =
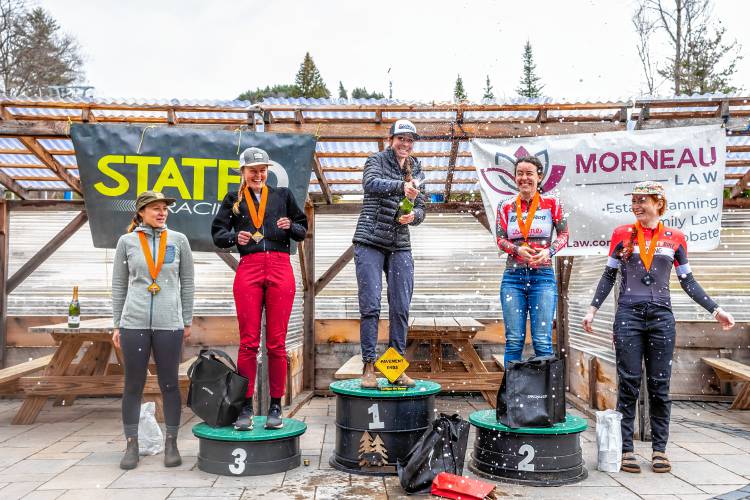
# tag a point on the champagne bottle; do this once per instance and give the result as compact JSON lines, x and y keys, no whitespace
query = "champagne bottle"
{"x":406,"y":205}
{"x":74,"y":311}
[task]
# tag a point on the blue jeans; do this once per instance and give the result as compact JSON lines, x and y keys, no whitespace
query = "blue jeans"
{"x":370,"y":263}
{"x":528,"y":292}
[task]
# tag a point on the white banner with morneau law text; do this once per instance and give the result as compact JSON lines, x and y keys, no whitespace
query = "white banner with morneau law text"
{"x":590,"y":173}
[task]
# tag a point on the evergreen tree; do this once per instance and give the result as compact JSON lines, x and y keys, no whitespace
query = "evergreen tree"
{"x":362,"y":93}
{"x":342,"y":91}
{"x":488,"y":94}
{"x":700,"y":69}
{"x":529,"y":85}
{"x":259,"y":94}
{"x":459,"y":94}
{"x":309,"y":81}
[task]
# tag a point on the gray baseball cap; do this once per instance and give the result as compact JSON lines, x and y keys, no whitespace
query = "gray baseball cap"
{"x":147,"y":197}
{"x":254,"y":156}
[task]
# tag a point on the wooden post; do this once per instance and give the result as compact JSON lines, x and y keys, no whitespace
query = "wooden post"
{"x":4,"y":247}
{"x":564,"y":266}
{"x":308,"y":309}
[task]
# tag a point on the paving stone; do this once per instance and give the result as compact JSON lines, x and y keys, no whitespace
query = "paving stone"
{"x":165,"y":478}
{"x":100,"y":446}
{"x":249,"y":481}
{"x":14,"y":491}
{"x":739,"y":464}
{"x":575,"y":491}
{"x":44,"y":435}
{"x":84,"y":476}
{"x":9,"y":456}
{"x":291,"y":492}
{"x":34,"y":466}
{"x":714,"y":448}
{"x":650,"y":483}
{"x":121,"y":494}
{"x":719,"y":489}
{"x":660,"y":497}
{"x":353,"y":492}
{"x":44,"y":495}
{"x":207,"y":492}
{"x":316,"y":477}
{"x":102,"y":458}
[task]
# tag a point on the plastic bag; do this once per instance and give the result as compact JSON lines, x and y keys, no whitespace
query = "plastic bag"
{"x":150,"y":437}
{"x":608,"y":440}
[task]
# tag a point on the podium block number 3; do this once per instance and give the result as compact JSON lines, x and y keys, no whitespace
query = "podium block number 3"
{"x":529,"y":453}
{"x":238,"y":467}
{"x":375,"y":412}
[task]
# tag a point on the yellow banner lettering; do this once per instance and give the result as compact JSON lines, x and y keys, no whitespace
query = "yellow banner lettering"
{"x":170,"y":176}
{"x":225,"y":178}
{"x":199,"y":165}
{"x":122,"y":185}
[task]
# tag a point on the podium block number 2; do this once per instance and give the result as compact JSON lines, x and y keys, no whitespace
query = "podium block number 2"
{"x":375,"y":412}
{"x":238,"y":467}
{"x":529,"y":453}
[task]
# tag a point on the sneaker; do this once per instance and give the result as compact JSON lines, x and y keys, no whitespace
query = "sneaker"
{"x":273,"y":421}
{"x":245,"y":421}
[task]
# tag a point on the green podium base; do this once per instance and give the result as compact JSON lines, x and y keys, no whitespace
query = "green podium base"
{"x":226,"y":451}
{"x":537,"y":456}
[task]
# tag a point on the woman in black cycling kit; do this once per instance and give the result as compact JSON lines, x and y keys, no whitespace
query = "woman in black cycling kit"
{"x":644,"y":326}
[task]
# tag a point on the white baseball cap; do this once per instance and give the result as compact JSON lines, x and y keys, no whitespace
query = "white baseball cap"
{"x":404,"y":127}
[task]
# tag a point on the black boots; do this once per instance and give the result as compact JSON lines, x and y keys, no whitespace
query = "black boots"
{"x":130,"y":460}
{"x":172,"y":456}
{"x":245,"y":421}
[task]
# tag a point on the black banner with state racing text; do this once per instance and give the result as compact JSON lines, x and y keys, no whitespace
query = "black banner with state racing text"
{"x":118,"y":162}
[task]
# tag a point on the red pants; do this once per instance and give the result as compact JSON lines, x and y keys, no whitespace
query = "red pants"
{"x":264,"y":278}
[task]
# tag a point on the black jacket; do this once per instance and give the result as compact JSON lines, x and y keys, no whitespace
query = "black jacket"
{"x":383,"y":184}
{"x":280,"y":204}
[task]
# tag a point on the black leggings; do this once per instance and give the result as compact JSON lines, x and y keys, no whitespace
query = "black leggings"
{"x":136,"y":351}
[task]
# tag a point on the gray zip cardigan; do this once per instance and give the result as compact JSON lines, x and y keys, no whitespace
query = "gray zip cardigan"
{"x":133,"y":306}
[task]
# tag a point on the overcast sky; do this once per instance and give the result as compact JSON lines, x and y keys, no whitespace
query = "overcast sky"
{"x":584,"y":49}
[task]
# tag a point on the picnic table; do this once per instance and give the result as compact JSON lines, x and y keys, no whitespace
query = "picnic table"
{"x":93,"y":375}
{"x":468,"y":373}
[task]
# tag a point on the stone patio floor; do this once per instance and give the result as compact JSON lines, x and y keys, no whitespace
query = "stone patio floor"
{"x":73,"y":453}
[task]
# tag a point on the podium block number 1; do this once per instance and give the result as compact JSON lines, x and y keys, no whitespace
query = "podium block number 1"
{"x":238,"y":467}
{"x":375,"y":412}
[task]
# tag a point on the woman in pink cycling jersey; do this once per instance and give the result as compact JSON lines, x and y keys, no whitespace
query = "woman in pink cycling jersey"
{"x":644,"y":327}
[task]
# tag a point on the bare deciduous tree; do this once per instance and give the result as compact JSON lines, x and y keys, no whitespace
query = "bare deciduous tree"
{"x":34,"y":53}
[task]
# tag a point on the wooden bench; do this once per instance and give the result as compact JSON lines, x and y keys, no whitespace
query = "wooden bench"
{"x":729,"y":370}
{"x":9,"y":376}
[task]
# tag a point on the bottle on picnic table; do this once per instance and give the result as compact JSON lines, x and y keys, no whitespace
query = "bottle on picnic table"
{"x":74,"y":311}
{"x":406,"y":205}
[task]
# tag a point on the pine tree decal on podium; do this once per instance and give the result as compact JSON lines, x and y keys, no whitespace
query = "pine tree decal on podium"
{"x":372,"y":452}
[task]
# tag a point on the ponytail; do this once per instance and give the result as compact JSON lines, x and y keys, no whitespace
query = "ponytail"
{"x":236,"y":206}
{"x":135,"y":222}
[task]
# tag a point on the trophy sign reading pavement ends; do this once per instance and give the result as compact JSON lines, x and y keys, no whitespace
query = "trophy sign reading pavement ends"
{"x":392,"y":365}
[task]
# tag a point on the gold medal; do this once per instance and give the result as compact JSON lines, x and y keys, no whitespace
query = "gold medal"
{"x":154,"y":288}
{"x":154,"y":268}
{"x":525,"y":225}
{"x":257,"y":215}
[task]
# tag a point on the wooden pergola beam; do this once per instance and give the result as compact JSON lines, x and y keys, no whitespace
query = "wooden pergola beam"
{"x":43,"y":254}
{"x":451,"y":168}
{"x":444,"y":107}
{"x":4,"y":251}
{"x":36,"y":128}
{"x":45,"y":104}
{"x":50,"y":205}
{"x":229,"y":259}
{"x":322,"y":181}
{"x":335,"y":268}
{"x":51,"y":163}
{"x":308,"y":304}
{"x":742,"y":184}
{"x":12,"y":186}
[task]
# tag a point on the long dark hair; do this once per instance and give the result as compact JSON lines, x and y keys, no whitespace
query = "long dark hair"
{"x":534,"y":161}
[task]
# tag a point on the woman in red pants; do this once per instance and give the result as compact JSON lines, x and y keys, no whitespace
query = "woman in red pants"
{"x":261,"y":221}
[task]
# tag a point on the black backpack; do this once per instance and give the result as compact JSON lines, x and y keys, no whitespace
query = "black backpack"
{"x":217,"y":391}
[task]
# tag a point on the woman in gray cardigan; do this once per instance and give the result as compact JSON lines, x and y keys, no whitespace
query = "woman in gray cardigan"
{"x":152,"y":306}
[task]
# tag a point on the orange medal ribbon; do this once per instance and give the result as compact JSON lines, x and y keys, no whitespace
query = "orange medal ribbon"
{"x":525,"y":225}
{"x":154,"y":268}
{"x":257,"y":215}
{"x":647,"y":255}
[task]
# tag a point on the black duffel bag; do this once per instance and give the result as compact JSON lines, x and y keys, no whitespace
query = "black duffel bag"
{"x":441,"y":448}
{"x":532,"y":393}
{"x":217,"y":391}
